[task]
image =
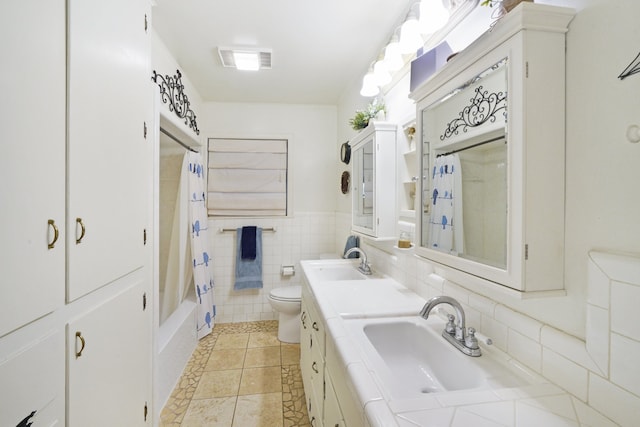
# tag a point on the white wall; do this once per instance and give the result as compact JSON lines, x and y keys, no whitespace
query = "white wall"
{"x":313,"y":180}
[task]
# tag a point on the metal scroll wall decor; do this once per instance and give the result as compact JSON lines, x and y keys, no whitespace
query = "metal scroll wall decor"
{"x":483,"y":108}
{"x":172,"y":91}
{"x":632,"y":68}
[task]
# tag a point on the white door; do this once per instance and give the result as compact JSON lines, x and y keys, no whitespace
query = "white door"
{"x":108,"y":174}
{"x":32,"y":160}
{"x":109,"y":362}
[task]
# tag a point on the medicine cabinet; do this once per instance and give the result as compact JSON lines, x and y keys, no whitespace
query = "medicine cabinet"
{"x":374,"y":176}
{"x":492,"y":155}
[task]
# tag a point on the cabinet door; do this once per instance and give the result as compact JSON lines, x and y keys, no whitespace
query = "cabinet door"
{"x":32,"y":376}
{"x":108,"y":351}
{"x":332,"y":414}
{"x":108,"y":175}
{"x":32,"y":164}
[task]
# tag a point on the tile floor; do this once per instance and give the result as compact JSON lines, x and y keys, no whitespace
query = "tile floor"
{"x":240,"y":376}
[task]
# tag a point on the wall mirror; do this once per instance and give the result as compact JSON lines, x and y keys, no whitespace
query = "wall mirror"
{"x":363,"y":180}
{"x":465,"y":169}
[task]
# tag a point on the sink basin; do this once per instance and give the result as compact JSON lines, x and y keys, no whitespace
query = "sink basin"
{"x":338,"y":272}
{"x":410,"y":359}
{"x":335,"y":270}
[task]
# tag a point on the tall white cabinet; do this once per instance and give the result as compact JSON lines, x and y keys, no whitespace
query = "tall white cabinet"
{"x":75,"y":183}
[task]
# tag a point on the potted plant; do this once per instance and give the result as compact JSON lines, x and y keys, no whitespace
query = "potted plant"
{"x":507,"y":5}
{"x":362,"y":117}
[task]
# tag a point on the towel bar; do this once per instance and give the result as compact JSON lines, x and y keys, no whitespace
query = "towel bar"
{"x":224,"y":230}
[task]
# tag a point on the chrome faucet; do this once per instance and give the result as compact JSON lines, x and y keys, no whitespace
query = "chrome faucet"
{"x":455,"y":332}
{"x":364,"y":266}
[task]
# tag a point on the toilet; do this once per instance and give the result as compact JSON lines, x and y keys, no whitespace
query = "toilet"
{"x":287,"y":301}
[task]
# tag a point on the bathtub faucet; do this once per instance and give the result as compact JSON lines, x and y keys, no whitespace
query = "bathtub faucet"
{"x":456,"y":333}
{"x":364,"y":266}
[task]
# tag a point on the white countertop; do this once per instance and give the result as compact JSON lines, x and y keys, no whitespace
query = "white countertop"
{"x":541,"y":403}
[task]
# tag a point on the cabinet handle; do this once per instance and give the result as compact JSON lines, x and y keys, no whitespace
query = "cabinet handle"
{"x":314,"y":366}
{"x":56,"y":234}
{"x":82,"y":230}
{"x":303,"y":318}
{"x":79,"y":336}
{"x":315,"y":326}
{"x":313,"y":421}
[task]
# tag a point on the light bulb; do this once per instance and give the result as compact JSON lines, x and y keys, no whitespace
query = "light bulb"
{"x":433,"y":16}
{"x":410,"y":38}
{"x":369,"y":86}
{"x":381,"y":73}
{"x":392,"y":56}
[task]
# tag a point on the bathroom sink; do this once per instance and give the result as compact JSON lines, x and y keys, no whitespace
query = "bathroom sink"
{"x":410,"y":359}
{"x":338,"y":272}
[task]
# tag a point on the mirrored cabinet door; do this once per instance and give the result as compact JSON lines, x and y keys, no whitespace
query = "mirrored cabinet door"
{"x":373,"y":181}
{"x":492,"y":156}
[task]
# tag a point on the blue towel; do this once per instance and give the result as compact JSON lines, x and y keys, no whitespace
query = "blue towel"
{"x":352,"y":242}
{"x":248,"y":271}
{"x":248,"y":242}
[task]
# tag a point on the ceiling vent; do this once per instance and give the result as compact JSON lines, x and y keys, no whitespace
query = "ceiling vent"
{"x":228,"y":56}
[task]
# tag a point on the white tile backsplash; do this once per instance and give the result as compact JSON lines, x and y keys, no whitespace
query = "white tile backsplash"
{"x":568,"y":346}
{"x":567,"y":374}
{"x":525,"y":325}
{"x":625,"y":317}
{"x":625,"y":355}
{"x":613,"y":401}
{"x":526,"y":350}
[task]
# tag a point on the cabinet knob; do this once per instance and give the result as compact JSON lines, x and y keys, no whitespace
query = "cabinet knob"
{"x":82,"y":343}
{"x":52,"y":225}
{"x":82,"y":230}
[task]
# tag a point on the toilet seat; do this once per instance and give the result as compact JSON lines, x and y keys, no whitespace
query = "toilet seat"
{"x":287,"y":293}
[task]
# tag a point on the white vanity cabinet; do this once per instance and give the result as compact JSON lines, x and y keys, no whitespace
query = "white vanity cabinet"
{"x":312,"y":350}
{"x":373,"y":177}
{"x":329,"y":402}
{"x":505,"y":91}
{"x":76,"y":184}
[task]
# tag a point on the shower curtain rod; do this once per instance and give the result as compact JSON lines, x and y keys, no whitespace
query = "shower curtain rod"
{"x":177,"y":140}
{"x":498,"y":138}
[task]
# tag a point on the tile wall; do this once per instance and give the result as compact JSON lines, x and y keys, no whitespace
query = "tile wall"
{"x":302,"y":236}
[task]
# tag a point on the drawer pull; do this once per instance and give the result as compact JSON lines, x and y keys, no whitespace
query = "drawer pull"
{"x":303,"y":319}
{"x":82,"y":230}
{"x":313,"y":421}
{"x":315,"y":326}
{"x":56,"y":234}
{"x":314,"y":366}
{"x":79,"y":336}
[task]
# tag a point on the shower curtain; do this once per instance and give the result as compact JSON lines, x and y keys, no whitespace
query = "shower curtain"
{"x":189,"y":255}
{"x":445,"y":223}
{"x":202,"y":268}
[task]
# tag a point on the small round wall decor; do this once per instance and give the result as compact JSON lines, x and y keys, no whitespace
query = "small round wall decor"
{"x":345,"y":153}
{"x":345,"y":180}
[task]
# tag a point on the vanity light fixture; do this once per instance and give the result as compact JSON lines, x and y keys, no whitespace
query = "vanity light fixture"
{"x":427,"y":23}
